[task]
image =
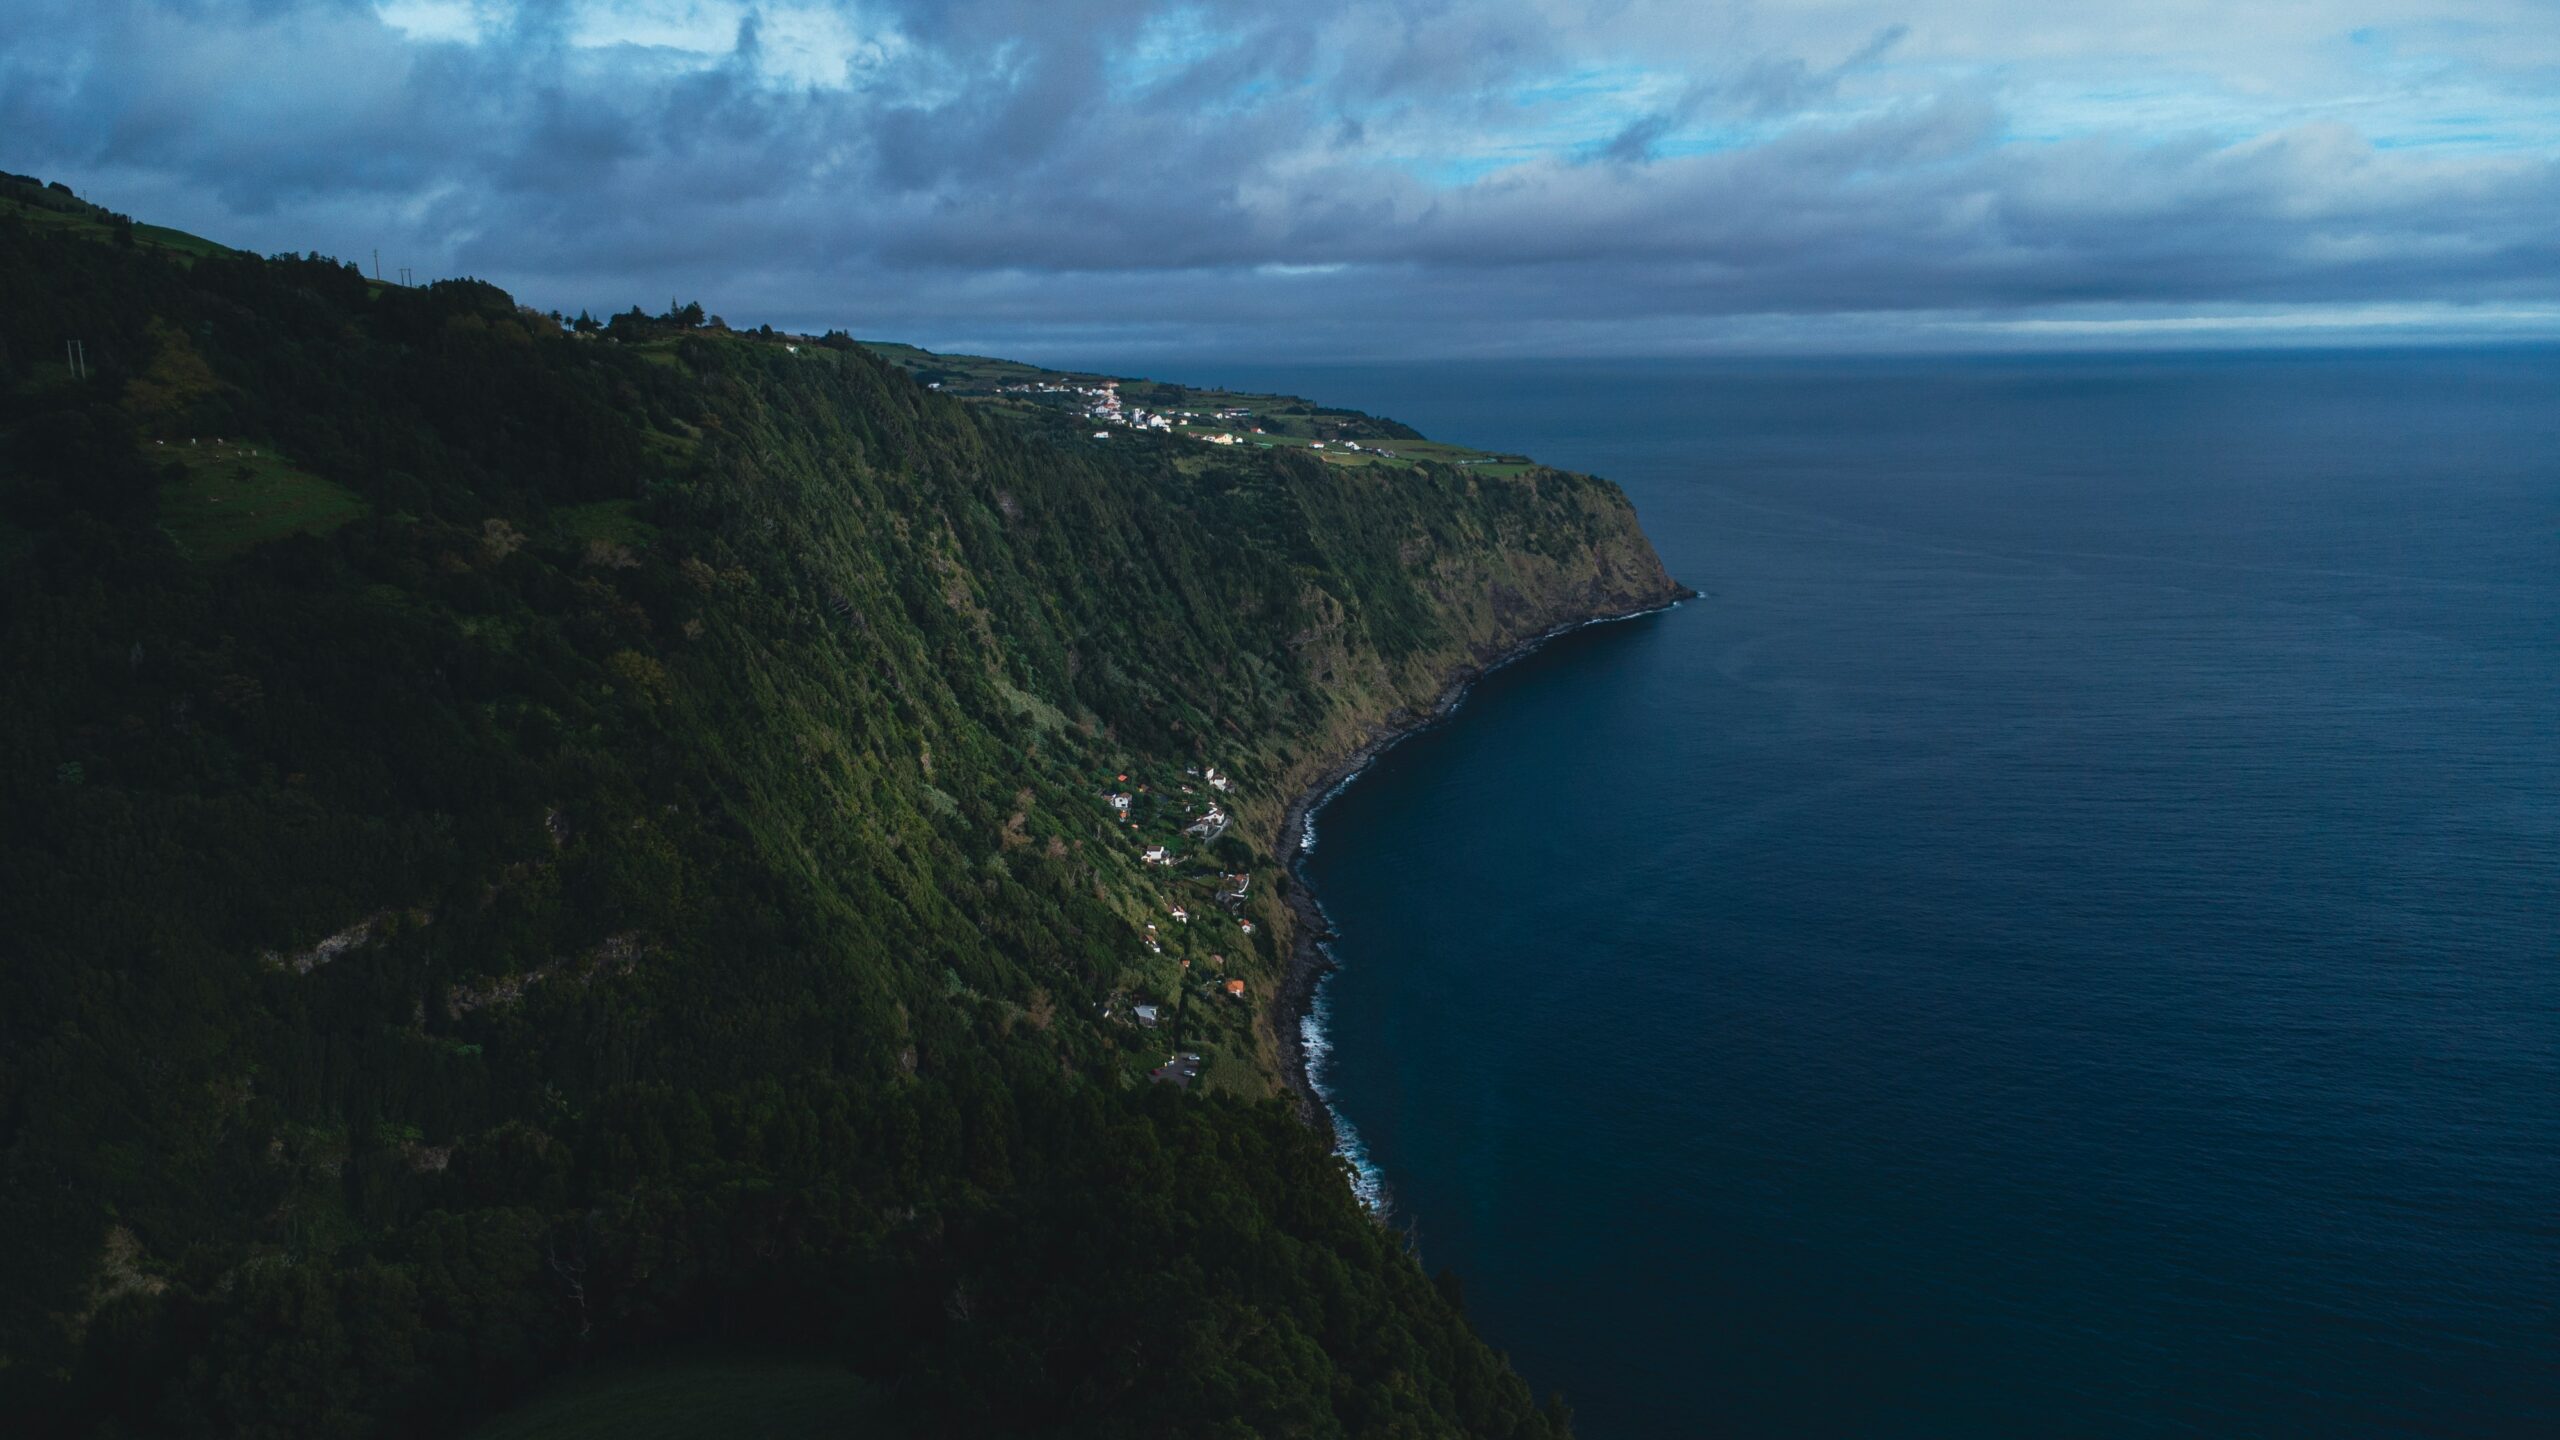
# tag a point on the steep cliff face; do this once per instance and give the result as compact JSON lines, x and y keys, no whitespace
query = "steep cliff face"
{"x":523,"y":845}
{"x":1582,"y":557}
{"x":1494,"y":601}
{"x":1493,"y":577}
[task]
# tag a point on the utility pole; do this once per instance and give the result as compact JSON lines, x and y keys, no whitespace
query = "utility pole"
{"x":377,"y":264}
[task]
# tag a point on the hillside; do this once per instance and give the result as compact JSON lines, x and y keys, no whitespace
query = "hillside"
{"x":526,"y":842}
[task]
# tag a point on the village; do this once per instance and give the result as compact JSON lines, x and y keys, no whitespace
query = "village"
{"x":1102,"y":405}
{"x":1110,"y":409}
{"x":1216,"y":427}
{"x":1184,"y":994}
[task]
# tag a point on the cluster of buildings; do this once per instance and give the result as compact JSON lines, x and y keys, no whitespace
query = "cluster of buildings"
{"x":1183,"y":1069}
{"x":1091,"y":393}
{"x":1101,"y":402}
{"x":1103,"y":405}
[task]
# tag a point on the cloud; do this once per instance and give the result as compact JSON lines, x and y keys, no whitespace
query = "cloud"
{"x":1401,"y":175}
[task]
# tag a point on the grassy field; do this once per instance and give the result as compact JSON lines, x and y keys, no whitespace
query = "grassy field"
{"x":606,"y":520}
{"x":696,"y":1398}
{"x":229,"y":499}
{"x":37,"y":207}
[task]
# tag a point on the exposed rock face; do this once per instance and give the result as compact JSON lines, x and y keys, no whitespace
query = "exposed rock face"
{"x":614,"y":955}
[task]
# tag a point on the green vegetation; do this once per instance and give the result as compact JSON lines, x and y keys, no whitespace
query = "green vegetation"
{"x":31,"y":202}
{"x":611,"y":521}
{"x":687,"y":1398}
{"x":612,"y":853}
{"x":217,"y":500}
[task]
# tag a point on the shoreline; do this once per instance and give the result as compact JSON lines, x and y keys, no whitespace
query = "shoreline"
{"x":1309,"y":927}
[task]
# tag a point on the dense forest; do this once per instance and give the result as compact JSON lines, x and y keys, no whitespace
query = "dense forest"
{"x":523,"y":842}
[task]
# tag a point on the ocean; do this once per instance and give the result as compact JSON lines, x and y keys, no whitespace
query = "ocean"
{"x":2063,"y":938}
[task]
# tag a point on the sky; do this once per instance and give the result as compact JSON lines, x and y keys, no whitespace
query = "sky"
{"x":1375,"y":180}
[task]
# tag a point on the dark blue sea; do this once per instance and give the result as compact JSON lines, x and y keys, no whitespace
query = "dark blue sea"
{"x":2062,"y":940}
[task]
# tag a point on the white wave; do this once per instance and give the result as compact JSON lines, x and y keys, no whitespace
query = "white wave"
{"x":1367,"y":1180}
{"x":1307,"y":826}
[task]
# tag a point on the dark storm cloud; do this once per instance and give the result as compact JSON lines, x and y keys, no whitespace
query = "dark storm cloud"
{"x":1376,"y":177}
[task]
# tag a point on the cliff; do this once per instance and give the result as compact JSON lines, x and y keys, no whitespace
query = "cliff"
{"x":526,"y":842}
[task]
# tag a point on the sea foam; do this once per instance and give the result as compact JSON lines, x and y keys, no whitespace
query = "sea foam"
{"x":1367,"y":1180}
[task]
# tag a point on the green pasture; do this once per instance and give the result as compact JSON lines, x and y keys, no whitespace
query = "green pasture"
{"x":88,"y":221}
{"x":226,"y":498}
{"x":605,"y":520}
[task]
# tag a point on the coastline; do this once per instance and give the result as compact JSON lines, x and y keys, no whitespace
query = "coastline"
{"x":1309,"y":927}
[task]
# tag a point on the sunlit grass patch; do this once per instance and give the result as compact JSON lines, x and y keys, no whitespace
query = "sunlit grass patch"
{"x":609,"y":520}
{"x":82,"y":219}
{"x":230,"y":497}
